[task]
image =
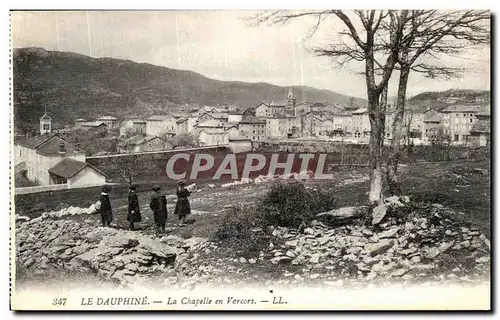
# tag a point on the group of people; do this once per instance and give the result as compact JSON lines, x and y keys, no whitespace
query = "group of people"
{"x":158,"y":205}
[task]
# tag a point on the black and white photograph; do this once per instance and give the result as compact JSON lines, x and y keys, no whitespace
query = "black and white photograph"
{"x":325,"y":159}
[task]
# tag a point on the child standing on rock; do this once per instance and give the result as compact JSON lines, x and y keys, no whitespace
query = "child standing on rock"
{"x":158,"y":205}
{"x":182,"y":207}
{"x":134,"y":213}
{"x":105,"y":208}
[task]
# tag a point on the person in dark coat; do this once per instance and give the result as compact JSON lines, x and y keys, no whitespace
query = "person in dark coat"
{"x":158,"y":205}
{"x":134,"y":212}
{"x":105,"y":208}
{"x":182,"y":207}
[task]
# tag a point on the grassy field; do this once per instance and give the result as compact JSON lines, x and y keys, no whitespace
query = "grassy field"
{"x":459,"y":185}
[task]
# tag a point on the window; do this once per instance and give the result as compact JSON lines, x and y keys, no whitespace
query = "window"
{"x":470,"y":120}
{"x":456,"y":137}
{"x":46,"y":126}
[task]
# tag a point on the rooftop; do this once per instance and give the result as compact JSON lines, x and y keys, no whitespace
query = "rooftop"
{"x":48,"y":144}
{"x":481,"y":126}
{"x":252,"y":120}
{"x":69,"y":168}
{"x":160,"y":118}
{"x":360,"y":111}
{"x":107,"y":118}
{"x":210,"y":124}
{"x":458,"y":108}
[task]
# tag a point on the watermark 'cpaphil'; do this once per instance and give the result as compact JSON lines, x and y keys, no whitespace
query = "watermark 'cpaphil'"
{"x":243,"y":166}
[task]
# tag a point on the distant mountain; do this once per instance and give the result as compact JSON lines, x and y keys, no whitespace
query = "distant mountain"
{"x":440,"y":99}
{"x":75,"y":86}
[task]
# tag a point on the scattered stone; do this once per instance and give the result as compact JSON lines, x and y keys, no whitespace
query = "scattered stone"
{"x":388,"y":233}
{"x":243,"y":260}
{"x":379,"y":213}
{"x":399,"y":272}
{"x":379,"y":247}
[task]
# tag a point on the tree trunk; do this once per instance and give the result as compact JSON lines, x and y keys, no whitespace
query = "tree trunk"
{"x":375,"y":194}
{"x":395,"y":151}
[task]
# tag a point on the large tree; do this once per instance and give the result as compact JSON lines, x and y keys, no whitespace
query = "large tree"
{"x":427,"y":37}
{"x":366,"y":35}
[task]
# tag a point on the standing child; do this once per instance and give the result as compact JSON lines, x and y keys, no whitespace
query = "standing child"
{"x":134,"y":213}
{"x":158,"y":205}
{"x":182,"y":207}
{"x":105,"y":208}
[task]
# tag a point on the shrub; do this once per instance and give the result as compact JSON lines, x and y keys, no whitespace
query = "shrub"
{"x":240,"y":228}
{"x":292,"y":205}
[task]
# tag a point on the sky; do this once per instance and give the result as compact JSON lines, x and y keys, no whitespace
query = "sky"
{"x":221,"y":45}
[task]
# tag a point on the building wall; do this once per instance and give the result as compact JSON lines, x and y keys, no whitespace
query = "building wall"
{"x":262,"y":111}
{"x":88,"y":177}
{"x":234,"y":118}
{"x":459,"y":125}
{"x":212,"y":138}
{"x":361,"y":125}
{"x":37,"y":166}
{"x":252,"y":131}
{"x":157,"y":128}
{"x":276,"y":128}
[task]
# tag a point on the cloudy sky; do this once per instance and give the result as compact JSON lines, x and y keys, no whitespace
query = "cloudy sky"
{"x":220,"y":45}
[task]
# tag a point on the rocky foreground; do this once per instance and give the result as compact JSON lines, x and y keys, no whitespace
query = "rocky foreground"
{"x":340,"y":248}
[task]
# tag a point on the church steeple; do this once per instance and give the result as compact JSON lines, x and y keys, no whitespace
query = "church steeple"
{"x":291,"y":102}
{"x":45,"y":123}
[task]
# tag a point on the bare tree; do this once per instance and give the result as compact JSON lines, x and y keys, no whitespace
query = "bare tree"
{"x":430,"y":34}
{"x":127,"y":168}
{"x":362,"y":40}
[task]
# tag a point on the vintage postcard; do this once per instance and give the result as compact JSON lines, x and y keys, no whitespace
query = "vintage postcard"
{"x":250,"y":160}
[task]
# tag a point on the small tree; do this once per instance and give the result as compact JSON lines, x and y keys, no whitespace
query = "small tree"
{"x":127,"y":168}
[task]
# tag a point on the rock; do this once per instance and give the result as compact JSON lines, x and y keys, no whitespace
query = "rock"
{"x":407,"y":277}
{"x":437,"y":205}
{"x":465,"y":244}
{"x":399,"y":272}
{"x":290,"y":254}
{"x":394,"y":201}
{"x":388,"y":233}
{"x":157,"y":249}
{"x":243,"y":260}
{"x":291,"y":243}
{"x":314,"y":258}
{"x":482,"y":260}
{"x":194,"y":242}
{"x":434,"y":252}
{"x":281,"y":259}
{"x":173,"y":240}
{"x":485,"y":241}
{"x":28,"y":262}
{"x":344,"y":213}
{"x":120,"y":241}
{"x":416,"y":259}
{"x":448,"y":232}
{"x":252,"y":261}
{"x":380,"y":247}
{"x":409,"y":251}
{"x":367,"y":232}
{"x":424,"y":267}
{"x":379,"y":213}
{"x":308,"y":231}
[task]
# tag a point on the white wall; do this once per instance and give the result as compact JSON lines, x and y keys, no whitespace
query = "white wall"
{"x":86,"y":178}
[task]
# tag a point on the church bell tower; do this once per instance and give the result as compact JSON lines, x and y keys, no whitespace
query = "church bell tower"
{"x":45,"y":123}
{"x":291,"y":102}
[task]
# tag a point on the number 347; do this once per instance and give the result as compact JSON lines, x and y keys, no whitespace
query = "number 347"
{"x":59,"y":301}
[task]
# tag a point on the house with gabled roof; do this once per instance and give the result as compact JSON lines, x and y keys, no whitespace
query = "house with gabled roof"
{"x":76,"y":174}
{"x":41,"y":155}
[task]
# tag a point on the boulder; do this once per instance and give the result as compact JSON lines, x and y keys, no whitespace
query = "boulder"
{"x":434,"y":252}
{"x":391,"y":233}
{"x":379,"y":213}
{"x":281,"y":259}
{"x":194,"y":242}
{"x":344,"y":213}
{"x":121,"y":241}
{"x":380,"y":247}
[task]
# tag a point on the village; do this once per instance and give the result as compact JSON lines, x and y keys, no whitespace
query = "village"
{"x":455,"y":123}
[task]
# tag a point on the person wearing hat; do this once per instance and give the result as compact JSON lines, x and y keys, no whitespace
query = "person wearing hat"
{"x":158,"y":205}
{"x":105,"y":208}
{"x":134,"y":213}
{"x":182,"y":207}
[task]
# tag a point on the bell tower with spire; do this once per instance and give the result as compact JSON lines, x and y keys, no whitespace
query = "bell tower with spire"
{"x":45,"y":123}
{"x":291,"y":102}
